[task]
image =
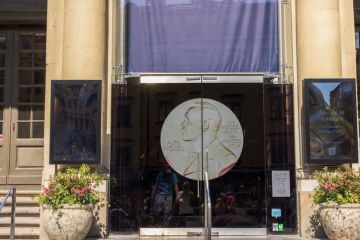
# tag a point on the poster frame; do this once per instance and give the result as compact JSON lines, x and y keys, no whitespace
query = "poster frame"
{"x":98,"y":86}
{"x":309,"y":159}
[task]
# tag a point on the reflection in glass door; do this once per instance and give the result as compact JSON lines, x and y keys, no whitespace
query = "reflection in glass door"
{"x":238,"y":196}
{"x":166,"y":132}
{"x":146,"y":192}
{"x":174,"y":200}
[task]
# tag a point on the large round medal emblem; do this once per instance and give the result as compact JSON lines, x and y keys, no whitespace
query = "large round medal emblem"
{"x":202,"y":135}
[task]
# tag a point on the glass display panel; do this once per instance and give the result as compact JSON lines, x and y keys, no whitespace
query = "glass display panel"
{"x":142,"y":161}
{"x":75,"y":121}
{"x":280,"y":166}
{"x":144,"y":188}
{"x":330,"y":115}
{"x":238,"y":197}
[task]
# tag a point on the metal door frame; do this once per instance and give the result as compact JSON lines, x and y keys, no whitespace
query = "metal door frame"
{"x":201,"y":78}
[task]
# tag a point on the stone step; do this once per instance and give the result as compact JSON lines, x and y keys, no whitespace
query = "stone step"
{"x":20,"y":192}
{"x":27,"y":219}
{"x":21,"y":196}
{"x":22,"y":200}
{"x":20,"y":221}
{"x":21,"y":211}
{"x":20,"y":233}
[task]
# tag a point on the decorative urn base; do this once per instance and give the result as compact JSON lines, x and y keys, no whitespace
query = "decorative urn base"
{"x":72,"y":222}
{"x":341,"y":222}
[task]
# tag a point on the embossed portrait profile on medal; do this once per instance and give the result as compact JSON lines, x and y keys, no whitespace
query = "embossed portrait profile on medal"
{"x":201,"y":135}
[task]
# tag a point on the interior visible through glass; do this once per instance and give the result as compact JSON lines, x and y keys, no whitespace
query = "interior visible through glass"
{"x":31,"y":85}
{"x":149,"y":189}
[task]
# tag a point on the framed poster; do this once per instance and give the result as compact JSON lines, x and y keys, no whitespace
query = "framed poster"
{"x":330,"y":118}
{"x":75,"y":121}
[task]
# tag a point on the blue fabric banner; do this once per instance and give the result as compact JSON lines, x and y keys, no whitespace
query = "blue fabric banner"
{"x":202,"y":36}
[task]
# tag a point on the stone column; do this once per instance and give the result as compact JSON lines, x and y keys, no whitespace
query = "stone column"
{"x":319,"y":55}
{"x":318,"y":39}
{"x":54,"y":36}
{"x":84,"y":58}
{"x":84,"y":39}
{"x":54,"y":32}
{"x":347,"y":30}
{"x":348,"y":50}
{"x":76,"y":50}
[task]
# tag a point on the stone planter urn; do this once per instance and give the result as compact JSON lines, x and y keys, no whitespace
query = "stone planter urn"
{"x":72,"y":222}
{"x":341,"y":222}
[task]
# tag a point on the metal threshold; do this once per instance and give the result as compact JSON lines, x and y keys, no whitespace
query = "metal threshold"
{"x":270,"y":237}
{"x":196,"y":232}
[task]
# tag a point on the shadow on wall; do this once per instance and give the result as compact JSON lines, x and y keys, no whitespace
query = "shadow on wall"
{"x":317,"y":230}
{"x":98,"y":227}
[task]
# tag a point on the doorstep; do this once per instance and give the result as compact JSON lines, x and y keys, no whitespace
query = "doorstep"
{"x":273,"y":237}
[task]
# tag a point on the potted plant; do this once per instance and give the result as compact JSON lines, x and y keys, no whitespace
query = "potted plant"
{"x":338,"y":195}
{"x":68,"y":201}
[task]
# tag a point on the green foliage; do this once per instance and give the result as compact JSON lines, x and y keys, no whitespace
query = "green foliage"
{"x":72,"y":186}
{"x":341,"y":186}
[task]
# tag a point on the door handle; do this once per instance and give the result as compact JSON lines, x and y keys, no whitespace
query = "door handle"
{"x":13,"y":126}
{"x":192,"y":78}
{"x":210,"y":78}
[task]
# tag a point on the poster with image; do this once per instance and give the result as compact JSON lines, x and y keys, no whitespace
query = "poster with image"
{"x":75,"y":121}
{"x":330,"y":112}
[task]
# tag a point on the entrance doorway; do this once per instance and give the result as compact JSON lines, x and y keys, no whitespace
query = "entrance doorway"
{"x":22,"y":96}
{"x":166,"y":132}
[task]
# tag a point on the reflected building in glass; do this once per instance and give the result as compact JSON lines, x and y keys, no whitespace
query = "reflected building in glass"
{"x":331,"y":123}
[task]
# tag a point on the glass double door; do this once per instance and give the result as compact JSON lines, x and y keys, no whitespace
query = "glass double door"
{"x":167,"y":132}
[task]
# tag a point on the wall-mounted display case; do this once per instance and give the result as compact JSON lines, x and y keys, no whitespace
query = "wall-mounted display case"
{"x":330,"y":118}
{"x":75,"y":121}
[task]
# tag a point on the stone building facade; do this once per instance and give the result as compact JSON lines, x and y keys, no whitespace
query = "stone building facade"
{"x":83,"y":42}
